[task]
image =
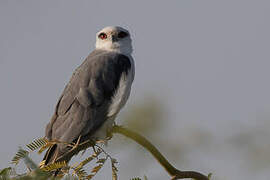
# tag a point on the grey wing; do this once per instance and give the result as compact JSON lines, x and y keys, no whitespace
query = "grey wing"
{"x":83,"y":106}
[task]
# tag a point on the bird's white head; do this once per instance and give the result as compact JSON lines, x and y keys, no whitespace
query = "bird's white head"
{"x":114,"y":38}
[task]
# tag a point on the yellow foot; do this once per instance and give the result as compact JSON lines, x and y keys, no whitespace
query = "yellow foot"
{"x":75,"y":145}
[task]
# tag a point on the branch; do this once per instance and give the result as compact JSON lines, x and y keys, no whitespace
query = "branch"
{"x":172,"y":171}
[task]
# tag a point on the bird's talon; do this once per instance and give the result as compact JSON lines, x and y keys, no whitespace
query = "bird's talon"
{"x":75,"y":145}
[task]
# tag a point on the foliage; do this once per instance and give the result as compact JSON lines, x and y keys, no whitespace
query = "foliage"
{"x":60,"y":169}
{"x":54,"y":166}
{"x":137,"y":178}
{"x":37,"y":144}
{"x":19,"y":155}
{"x":45,"y":171}
{"x":4,"y":173}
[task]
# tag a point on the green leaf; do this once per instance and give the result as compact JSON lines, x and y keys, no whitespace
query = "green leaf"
{"x":137,"y":178}
{"x":36,"y":144}
{"x":114,"y":173}
{"x":81,"y":173}
{"x":114,"y":161}
{"x":44,"y":147}
{"x":87,"y":160}
{"x":19,"y":155}
{"x":54,"y":166}
{"x":101,"y":160}
{"x":114,"y":169}
{"x":209,"y":176}
{"x":95,"y":170}
{"x":4,"y":173}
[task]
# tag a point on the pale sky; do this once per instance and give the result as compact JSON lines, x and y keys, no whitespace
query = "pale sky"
{"x":208,"y":61}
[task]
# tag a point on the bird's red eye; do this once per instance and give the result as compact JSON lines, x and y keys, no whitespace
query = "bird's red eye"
{"x":102,"y":36}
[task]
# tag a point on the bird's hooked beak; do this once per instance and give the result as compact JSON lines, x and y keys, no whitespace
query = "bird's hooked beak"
{"x":114,"y":38}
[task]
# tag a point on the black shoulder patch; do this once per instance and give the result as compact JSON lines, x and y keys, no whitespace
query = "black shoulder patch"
{"x":111,"y":72}
{"x":123,"y":64}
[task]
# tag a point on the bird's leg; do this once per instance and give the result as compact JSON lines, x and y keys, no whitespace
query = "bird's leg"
{"x":78,"y":141}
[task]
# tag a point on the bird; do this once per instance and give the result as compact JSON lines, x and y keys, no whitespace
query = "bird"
{"x":97,"y":90}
